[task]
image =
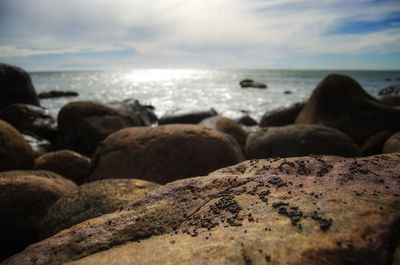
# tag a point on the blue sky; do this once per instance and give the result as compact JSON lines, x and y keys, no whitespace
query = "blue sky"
{"x":82,"y":34}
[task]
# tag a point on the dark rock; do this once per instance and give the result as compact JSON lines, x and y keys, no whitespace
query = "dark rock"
{"x":392,"y":145}
{"x":92,"y":200}
{"x":390,"y":100}
{"x":390,"y":91}
{"x":246,"y":120}
{"x":299,"y":140}
{"x":341,"y":103}
{"x":25,"y":197}
{"x":251,"y":83}
{"x":186,"y":118}
{"x":67,"y":163}
{"x":16,"y":87}
{"x":30,"y":119}
{"x":39,"y":145}
{"x":281,"y":116}
{"x":163,"y":154}
{"x":373,"y":145}
{"x":57,"y":94}
{"x":349,"y":213}
{"x":15,"y":152}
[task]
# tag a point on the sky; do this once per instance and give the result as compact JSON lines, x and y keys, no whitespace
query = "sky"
{"x":103,"y":34}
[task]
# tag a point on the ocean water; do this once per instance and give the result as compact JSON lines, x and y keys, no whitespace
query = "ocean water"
{"x":185,"y":90}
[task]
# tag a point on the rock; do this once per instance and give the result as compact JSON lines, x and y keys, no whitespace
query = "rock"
{"x":91,"y":200}
{"x":303,"y":210}
{"x":57,"y":94}
{"x":373,"y":145}
{"x":299,"y":140}
{"x":392,"y":145}
{"x":341,"y":103}
{"x":390,"y":91}
{"x":186,"y":118}
{"x":67,"y":163}
{"x":251,"y":83}
{"x":281,"y":116}
{"x":30,"y":119}
{"x":16,"y":87}
{"x":39,"y":145}
{"x":227,"y":126}
{"x":25,"y":197}
{"x":15,"y":152}
{"x":390,"y":100}
{"x":83,"y":124}
{"x":163,"y":154}
{"x":246,"y":120}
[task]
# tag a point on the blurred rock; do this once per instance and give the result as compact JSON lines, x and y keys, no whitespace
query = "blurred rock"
{"x":246,"y":120}
{"x":392,"y":145}
{"x":186,"y":118}
{"x":390,"y":100}
{"x":251,"y":83}
{"x":373,"y":145}
{"x":57,"y":94}
{"x":281,"y":116}
{"x":390,"y":91}
{"x":39,"y":145}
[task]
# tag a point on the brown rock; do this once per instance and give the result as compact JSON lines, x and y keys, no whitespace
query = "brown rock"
{"x":390,"y":100}
{"x":25,"y":197}
{"x":92,"y":200}
{"x":303,"y":210}
{"x":392,"y":145}
{"x":227,"y":126}
{"x":67,"y":163}
{"x":30,"y":119}
{"x":15,"y":152}
{"x":163,"y":154}
{"x":341,"y":103}
{"x":246,"y":120}
{"x":281,"y":116}
{"x":299,"y":140}
{"x":373,"y":145}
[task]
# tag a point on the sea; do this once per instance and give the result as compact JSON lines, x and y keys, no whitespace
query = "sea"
{"x":176,"y":91}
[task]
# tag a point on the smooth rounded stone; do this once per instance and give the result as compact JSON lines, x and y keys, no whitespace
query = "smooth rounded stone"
{"x":302,"y":210}
{"x":340,"y":102}
{"x":15,"y":152}
{"x":186,"y":118}
{"x":83,"y":124}
{"x":25,"y":197}
{"x":227,"y":126}
{"x":390,"y":91}
{"x":245,"y":83}
{"x":374,"y":144}
{"x":299,"y":140}
{"x":281,"y":116}
{"x":57,"y":94}
{"x":30,"y":119}
{"x":392,"y":145}
{"x":390,"y":100}
{"x":163,"y":154}
{"x":16,"y":87}
{"x":39,"y":145}
{"x":67,"y":163}
{"x":92,"y":200}
{"x":246,"y":120}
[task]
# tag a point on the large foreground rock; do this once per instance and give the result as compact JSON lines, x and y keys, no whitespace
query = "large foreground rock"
{"x":303,"y":210}
{"x":163,"y":154}
{"x":341,"y":103}
{"x":16,"y":87}
{"x":92,"y":200}
{"x":25,"y":197}
{"x":15,"y":152}
{"x":299,"y":140}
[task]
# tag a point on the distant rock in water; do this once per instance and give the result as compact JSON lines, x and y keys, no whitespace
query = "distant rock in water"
{"x":57,"y":94}
{"x":251,"y":83}
{"x":187,"y":118}
{"x":16,"y":87}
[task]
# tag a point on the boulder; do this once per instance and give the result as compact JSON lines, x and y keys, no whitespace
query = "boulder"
{"x":303,"y":210}
{"x":186,"y":118}
{"x":341,"y":103}
{"x":39,"y":145}
{"x":390,"y":91}
{"x":281,"y":116}
{"x":163,"y":154}
{"x":299,"y":140}
{"x":15,"y":152}
{"x":92,"y":200}
{"x":57,"y":94}
{"x":227,"y":126}
{"x":246,"y":120}
{"x":392,"y":145}
{"x":251,"y":83}
{"x":25,"y":197}
{"x":16,"y":87}
{"x":390,"y":100}
{"x":373,"y":145}
{"x":67,"y":163}
{"x":30,"y":119}
{"x":83,"y":124}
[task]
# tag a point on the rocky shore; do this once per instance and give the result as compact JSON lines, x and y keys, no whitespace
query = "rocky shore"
{"x":111,"y":183}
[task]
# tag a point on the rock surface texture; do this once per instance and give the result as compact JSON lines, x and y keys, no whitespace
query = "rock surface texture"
{"x":303,"y":210}
{"x":163,"y":154}
{"x":340,"y":102}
